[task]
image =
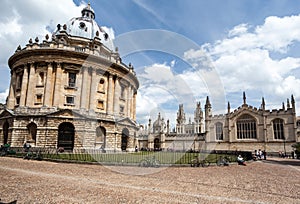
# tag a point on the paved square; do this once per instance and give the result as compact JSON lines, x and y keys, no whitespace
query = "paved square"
{"x":272,"y":181}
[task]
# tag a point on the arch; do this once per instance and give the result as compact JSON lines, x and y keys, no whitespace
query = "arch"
{"x":246,"y":127}
{"x":32,"y":130}
{"x":124,"y":139}
{"x":219,"y":131}
{"x":101,"y":136}
{"x":5,"y":132}
{"x":66,"y":132}
{"x":278,"y":129}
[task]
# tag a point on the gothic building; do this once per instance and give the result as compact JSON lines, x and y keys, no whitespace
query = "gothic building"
{"x":250,"y":128}
{"x":71,"y":90}
{"x":185,"y":136}
{"x":246,"y":128}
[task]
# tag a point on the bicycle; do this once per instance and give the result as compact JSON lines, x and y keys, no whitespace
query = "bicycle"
{"x":197,"y":162}
{"x":150,"y":162}
{"x":223,"y":161}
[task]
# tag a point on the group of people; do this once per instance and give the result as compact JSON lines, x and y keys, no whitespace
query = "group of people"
{"x":259,"y":154}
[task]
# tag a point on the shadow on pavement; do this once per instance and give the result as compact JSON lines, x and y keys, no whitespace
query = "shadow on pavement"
{"x":292,"y":162}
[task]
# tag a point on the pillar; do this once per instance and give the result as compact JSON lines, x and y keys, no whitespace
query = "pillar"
{"x":85,"y":88}
{"x":49,"y":87}
{"x":110,"y":95}
{"x":24,"y":86}
{"x":31,"y":87}
{"x":134,"y":107}
{"x":128,"y":102}
{"x":11,"y":95}
{"x":93,"y":89}
{"x":117,"y":96}
{"x":57,"y":88}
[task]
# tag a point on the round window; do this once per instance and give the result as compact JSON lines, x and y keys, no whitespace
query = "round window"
{"x":82,"y":25}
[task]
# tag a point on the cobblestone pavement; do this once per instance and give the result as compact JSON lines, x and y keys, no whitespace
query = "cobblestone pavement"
{"x":271,"y":181}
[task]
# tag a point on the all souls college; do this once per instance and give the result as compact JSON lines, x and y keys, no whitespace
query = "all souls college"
{"x":71,"y":90}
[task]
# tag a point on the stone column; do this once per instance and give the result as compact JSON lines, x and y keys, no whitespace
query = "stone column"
{"x":85,"y":88}
{"x":48,"y":88}
{"x":24,"y":86}
{"x":11,"y":95}
{"x":57,"y":88}
{"x":110,"y":95}
{"x":31,"y":87}
{"x":117,"y":96}
{"x":134,"y":107}
{"x":93,"y":89}
{"x":128,"y":102}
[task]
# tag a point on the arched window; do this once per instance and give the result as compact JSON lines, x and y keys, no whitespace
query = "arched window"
{"x":100,"y":137}
{"x":31,"y":127}
{"x":246,"y":127}
{"x":219,"y":131}
{"x":278,"y":129}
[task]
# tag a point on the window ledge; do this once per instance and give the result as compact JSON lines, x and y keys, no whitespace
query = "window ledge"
{"x":69,"y":104}
{"x":71,"y":87}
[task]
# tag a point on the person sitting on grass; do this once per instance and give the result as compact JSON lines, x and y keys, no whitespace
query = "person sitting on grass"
{"x":241,"y":161}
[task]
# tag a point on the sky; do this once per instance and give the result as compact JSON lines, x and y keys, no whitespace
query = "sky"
{"x":181,"y":50}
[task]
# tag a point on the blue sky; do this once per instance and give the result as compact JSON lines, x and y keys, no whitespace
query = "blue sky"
{"x":235,"y":46}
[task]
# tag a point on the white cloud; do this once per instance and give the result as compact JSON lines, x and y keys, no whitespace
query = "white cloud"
{"x":22,"y":20}
{"x":245,"y":58}
{"x":3,"y":96}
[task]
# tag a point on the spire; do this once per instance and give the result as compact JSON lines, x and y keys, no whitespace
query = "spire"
{"x":207,"y":102}
{"x":283,"y":106}
{"x":292,"y":100}
{"x":288,"y":103}
{"x":228,"y":107}
{"x":207,"y":108}
{"x":263,"y":104}
{"x":244,"y":97}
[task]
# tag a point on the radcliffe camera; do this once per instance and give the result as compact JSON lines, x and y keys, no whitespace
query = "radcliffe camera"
{"x":149,"y":102}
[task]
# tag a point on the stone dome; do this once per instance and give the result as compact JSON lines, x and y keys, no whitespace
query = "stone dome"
{"x":86,"y":27}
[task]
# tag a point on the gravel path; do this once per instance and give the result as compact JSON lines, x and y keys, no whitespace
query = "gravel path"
{"x":272,"y":181}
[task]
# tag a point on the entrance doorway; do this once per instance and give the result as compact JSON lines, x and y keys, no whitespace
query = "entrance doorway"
{"x":156,"y":144}
{"x":66,"y":132}
{"x":124,"y":139}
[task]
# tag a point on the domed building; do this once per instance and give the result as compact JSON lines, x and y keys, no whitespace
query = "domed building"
{"x":71,"y":90}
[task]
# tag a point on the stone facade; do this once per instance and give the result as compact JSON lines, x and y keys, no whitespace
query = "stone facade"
{"x":71,"y":91}
{"x":244,"y":129}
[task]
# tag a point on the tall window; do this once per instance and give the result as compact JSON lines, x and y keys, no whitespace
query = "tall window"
{"x":72,"y":79}
{"x":278,"y":129}
{"x":19,"y":81}
{"x":122,"y":92}
{"x":246,"y":127}
{"x":219,"y":131}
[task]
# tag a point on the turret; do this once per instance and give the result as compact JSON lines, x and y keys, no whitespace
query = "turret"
{"x":207,"y":107}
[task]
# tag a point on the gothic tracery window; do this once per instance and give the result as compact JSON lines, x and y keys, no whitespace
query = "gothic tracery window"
{"x":219,"y":131}
{"x":278,"y":129}
{"x":246,"y":127}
